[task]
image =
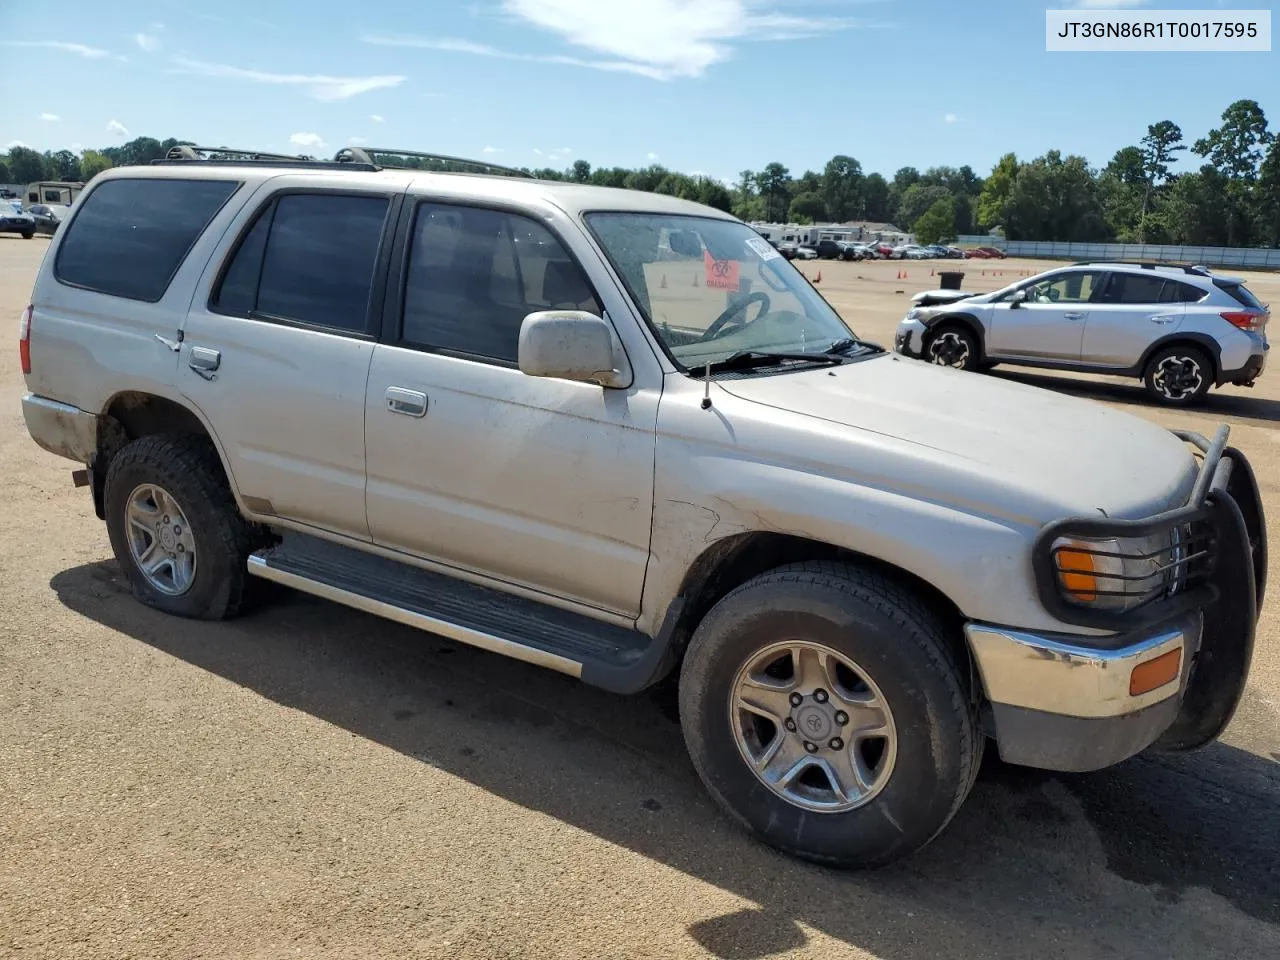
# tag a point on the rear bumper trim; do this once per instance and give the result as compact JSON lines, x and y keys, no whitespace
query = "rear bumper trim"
{"x":61,"y":428}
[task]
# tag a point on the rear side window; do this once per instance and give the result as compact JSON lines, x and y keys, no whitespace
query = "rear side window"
{"x":309,"y":258}
{"x":130,"y":236}
{"x":1175,"y":291}
{"x":1132,"y":288}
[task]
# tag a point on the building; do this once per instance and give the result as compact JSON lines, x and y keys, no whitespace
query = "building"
{"x":856,"y":231}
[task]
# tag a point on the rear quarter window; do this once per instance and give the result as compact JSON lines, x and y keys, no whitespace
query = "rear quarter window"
{"x":1241,"y":295}
{"x":130,"y":236}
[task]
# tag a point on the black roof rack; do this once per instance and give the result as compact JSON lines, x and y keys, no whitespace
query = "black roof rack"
{"x":1197,"y":269}
{"x":434,"y":162}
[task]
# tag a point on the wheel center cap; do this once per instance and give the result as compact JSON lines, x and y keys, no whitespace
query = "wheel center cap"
{"x":814,"y":722}
{"x":167,"y":539}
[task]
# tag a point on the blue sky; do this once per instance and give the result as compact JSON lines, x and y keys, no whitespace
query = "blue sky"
{"x":709,"y":86}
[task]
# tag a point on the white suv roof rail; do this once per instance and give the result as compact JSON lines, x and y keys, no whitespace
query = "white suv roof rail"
{"x":1196,"y":269}
{"x":349,"y":158}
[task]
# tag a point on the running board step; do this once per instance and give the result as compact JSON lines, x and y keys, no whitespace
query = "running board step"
{"x":600,"y":653}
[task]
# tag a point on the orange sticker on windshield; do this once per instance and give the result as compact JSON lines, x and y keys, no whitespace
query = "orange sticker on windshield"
{"x":721,"y":274}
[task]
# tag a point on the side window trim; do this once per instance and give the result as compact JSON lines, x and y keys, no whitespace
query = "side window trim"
{"x":378,"y":281}
{"x":397,"y":283}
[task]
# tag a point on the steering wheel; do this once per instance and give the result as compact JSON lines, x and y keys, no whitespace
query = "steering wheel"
{"x":736,"y":312}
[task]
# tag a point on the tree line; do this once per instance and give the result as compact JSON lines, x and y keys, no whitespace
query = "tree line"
{"x":1233,"y":199}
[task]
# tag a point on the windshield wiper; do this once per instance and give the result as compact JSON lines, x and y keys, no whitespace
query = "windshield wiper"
{"x":847,"y":344}
{"x":746,"y":359}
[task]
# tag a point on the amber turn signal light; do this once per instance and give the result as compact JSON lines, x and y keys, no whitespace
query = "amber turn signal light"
{"x":1155,"y":673}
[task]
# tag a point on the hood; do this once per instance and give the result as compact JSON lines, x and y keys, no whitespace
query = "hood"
{"x":985,"y":443}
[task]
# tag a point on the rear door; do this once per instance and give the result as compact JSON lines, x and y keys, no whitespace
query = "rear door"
{"x":276,"y":351}
{"x":1132,"y":311}
{"x":1050,"y":323}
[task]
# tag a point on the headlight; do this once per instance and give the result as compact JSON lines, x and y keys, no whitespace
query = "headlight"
{"x":1118,"y":575}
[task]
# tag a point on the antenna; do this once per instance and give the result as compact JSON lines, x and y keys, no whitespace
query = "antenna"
{"x":706,"y":379}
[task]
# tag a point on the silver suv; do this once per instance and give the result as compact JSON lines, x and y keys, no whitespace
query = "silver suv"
{"x":618,"y":435}
{"x":1181,"y":329}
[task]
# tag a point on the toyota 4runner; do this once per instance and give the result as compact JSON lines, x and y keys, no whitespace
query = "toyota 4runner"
{"x":618,"y":435}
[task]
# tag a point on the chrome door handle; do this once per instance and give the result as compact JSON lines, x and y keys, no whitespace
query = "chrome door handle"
{"x":204,"y":360}
{"x":1073,"y":316}
{"x":1163,"y":319}
{"x":411,"y":403}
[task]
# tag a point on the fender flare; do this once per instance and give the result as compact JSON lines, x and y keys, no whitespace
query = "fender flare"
{"x":1200,"y":340}
{"x":966,"y":320}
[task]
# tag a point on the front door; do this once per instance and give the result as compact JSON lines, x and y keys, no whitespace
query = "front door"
{"x":539,"y":482}
{"x":1049,"y":324}
{"x":277,"y":356}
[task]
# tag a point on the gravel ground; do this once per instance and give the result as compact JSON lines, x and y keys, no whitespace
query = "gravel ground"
{"x":313,"y":782}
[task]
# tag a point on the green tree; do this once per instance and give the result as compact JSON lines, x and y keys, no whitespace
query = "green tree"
{"x":903,"y":180}
{"x":1159,"y":149}
{"x":1055,"y":198}
{"x":63,"y":165}
{"x":993,"y":203}
{"x":611,"y":177}
{"x":26,"y":166}
{"x":580,"y":172}
{"x":93,"y":163}
{"x":774,"y":183}
{"x":5,"y":175}
{"x":1237,"y":147}
{"x":964,"y":215}
{"x":875,"y":195}
{"x":938,"y":222}
{"x":1269,"y":196}
{"x":713,"y":193}
{"x":139,"y":150}
{"x":918,"y":200}
{"x":1122,"y":189}
{"x":810,"y":206}
{"x":842,"y":188}
{"x":1196,"y":210}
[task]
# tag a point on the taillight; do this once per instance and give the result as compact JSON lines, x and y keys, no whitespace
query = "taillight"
{"x":1253,"y":320}
{"x":24,"y":339}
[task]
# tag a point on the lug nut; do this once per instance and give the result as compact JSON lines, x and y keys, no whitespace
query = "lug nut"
{"x":177,"y":530}
{"x":810,"y":747}
{"x":165,"y":519}
{"x":841,"y":717}
{"x":836,"y":743}
{"x":180,"y":548}
{"x":790,"y":724}
{"x":796,"y":699}
{"x":820,"y":696}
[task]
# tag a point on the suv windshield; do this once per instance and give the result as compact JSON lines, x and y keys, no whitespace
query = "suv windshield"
{"x":715,"y":288}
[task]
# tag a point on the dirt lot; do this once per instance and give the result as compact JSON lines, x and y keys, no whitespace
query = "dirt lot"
{"x":312,"y":782}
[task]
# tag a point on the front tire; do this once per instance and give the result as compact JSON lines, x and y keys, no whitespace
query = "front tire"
{"x":952,"y":345}
{"x":175,"y":529}
{"x":1178,"y":376}
{"x":826,"y":711}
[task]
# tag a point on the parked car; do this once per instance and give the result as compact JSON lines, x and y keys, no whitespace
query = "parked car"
{"x":955,"y":253}
{"x":1180,"y":329}
{"x":856,"y":251}
{"x":462,"y":403}
{"x":992,"y":253}
{"x":829,"y":250}
{"x":910,"y":251}
{"x":13,"y":219}
{"x":48,"y":217}
{"x":805,"y":252}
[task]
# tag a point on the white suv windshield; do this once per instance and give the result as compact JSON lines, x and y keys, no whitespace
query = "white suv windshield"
{"x":714,"y":288}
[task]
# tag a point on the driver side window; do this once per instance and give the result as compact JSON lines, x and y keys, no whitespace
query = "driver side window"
{"x":1076,"y":286}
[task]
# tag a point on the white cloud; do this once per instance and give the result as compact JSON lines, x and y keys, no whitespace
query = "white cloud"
{"x":306,"y":140}
{"x":537,"y":152}
{"x":92,"y":53}
{"x":659,"y":39}
{"x":51,"y":117}
{"x":652,"y":157}
{"x":147,"y":41}
{"x":15,"y":143}
{"x":490,"y":150}
{"x":320,"y":87}
{"x":951,"y":118}
{"x":117,"y":128}
{"x":376,"y":118}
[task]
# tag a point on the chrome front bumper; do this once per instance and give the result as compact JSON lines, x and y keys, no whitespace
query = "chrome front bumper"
{"x":61,"y":428}
{"x":1059,"y":705}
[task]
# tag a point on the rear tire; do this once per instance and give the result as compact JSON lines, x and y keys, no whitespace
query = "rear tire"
{"x":27,"y":236}
{"x":1178,"y":375}
{"x":883,"y":646}
{"x":953,"y":345}
{"x":176,"y":530}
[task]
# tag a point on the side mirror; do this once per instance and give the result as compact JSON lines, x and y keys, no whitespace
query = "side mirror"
{"x":1016,"y":298}
{"x":572,"y":345}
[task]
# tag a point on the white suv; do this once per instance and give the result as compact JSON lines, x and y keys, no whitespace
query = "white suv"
{"x":617,"y":435}
{"x":1181,"y":329}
